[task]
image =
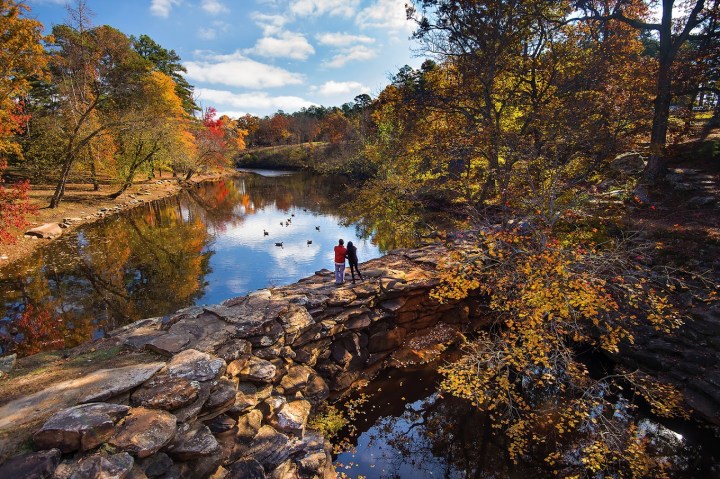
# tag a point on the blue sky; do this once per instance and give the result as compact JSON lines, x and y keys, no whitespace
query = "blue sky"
{"x":258,"y":56}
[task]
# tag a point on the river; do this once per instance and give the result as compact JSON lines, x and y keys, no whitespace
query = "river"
{"x":203,"y":246}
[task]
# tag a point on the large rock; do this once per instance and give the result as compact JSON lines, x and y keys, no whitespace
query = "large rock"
{"x":249,"y":425}
{"x":269,"y":447}
{"x":258,"y":370}
{"x":82,"y":427}
{"x":195,"y":366}
{"x":145,"y":431}
{"x":234,"y":368}
{"x":47,"y":231}
{"x":193,"y":443}
{"x":166,"y":392}
{"x":292,"y":417}
{"x":190,"y":412}
{"x":220,"y":424}
{"x":36,"y":465}
{"x":316,"y":390}
{"x":197,"y":329}
{"x":222,"y":398}
{"x":296,"y":379}
{"x":245,"y":398}
{"x":234,"y":349}
{"x":202,"y":468}
{"x":168,"y":344}
{"x":107,"y":383}
{"x":101,"y":466}
{"x":246,"y":469}
{"x":294,"y":321}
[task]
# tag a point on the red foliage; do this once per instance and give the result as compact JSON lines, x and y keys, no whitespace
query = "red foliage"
{"x":41,"y":332}
{"x":212,"y":124}
{"x":14,"y":207}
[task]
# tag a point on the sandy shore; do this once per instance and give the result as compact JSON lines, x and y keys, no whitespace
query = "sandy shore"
{"x":83,"y":206}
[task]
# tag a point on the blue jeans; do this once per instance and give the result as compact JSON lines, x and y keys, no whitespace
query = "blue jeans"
{"x":339,"y":273}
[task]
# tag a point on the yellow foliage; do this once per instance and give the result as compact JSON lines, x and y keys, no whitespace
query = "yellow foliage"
{"x":548,"y":300}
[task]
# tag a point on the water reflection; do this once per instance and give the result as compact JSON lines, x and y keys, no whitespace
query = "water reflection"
{"x":200,"y":247}
{"x":407,"y":430}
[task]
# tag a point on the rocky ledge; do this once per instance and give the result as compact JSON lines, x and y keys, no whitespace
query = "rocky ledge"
{"x":240,"y":380}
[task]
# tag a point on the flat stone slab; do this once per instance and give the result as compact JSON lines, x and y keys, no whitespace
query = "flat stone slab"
{"x":195,"y":366}
{"x":145,"y":431}
{"x":193,"y":443}
{"x":269,"y":447}
{"x":81,"y":427}
{"x":47,"y":231}
{"x":39,"y":406}
{"x":257,"y":370}
{"x":118,"y":381}
{"x":166,"y":392}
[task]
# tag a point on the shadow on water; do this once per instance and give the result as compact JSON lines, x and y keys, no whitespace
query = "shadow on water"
{"x":202,"y":246}
{"x":405,"y":429}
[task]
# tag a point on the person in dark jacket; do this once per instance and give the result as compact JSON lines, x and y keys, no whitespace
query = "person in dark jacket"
{"x":353,"y":260}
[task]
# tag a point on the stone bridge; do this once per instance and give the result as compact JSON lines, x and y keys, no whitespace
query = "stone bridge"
{"x":240,"y":379}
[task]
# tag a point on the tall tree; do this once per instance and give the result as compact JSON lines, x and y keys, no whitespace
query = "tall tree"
{"x":94,"y":73}
{"x":678,"y":23}
{"x":155,"y":129}
{"x":169,"y":63}
{"x":22,"y":57}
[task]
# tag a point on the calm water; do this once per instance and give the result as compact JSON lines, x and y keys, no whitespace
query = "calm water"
{"x":201,"y":247}
{"x":405,"y":429}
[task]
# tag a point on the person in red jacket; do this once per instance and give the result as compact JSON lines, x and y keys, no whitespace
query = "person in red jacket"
{"x":340,"y":253}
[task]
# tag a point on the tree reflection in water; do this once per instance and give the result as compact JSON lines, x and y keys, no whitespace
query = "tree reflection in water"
{"x":408,"y":430}
{"x":200,"y":246}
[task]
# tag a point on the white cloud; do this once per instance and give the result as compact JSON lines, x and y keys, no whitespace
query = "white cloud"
{"x":342,"y":39}
{"x":207,"y":33}
{"x":270,"y":24}
{"x":385,"y":14}
{"x":305,"y":8}
{"x":247,"y":102}
{"x":284,"y":45}
{"x":332,"y":88}
{"x":239,"y":71}
{"x":162,"y":8}
{"x":214,"y":7}
{"x":356,"y":53}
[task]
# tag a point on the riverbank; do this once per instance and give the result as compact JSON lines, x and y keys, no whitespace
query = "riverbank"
{"x":81,"y":205}
{"x":316,"y":157}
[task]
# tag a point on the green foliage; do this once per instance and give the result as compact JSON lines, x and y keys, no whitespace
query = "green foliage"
{"x":329,"y":421}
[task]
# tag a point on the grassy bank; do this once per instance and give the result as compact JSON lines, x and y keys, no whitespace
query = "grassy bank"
{"x":319,"y":157}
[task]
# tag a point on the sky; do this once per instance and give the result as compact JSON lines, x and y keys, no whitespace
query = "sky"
{"x":259,"y":56}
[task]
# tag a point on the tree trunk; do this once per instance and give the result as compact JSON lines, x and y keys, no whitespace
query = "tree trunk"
{"x":189,"y":174}
{"x":126,"y":184}
{"x":93,"y":175}
{"x":657,"y":162}
{"x":60,"y":188}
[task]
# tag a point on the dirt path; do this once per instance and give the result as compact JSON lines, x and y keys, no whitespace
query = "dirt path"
{"x":82,"y":205}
